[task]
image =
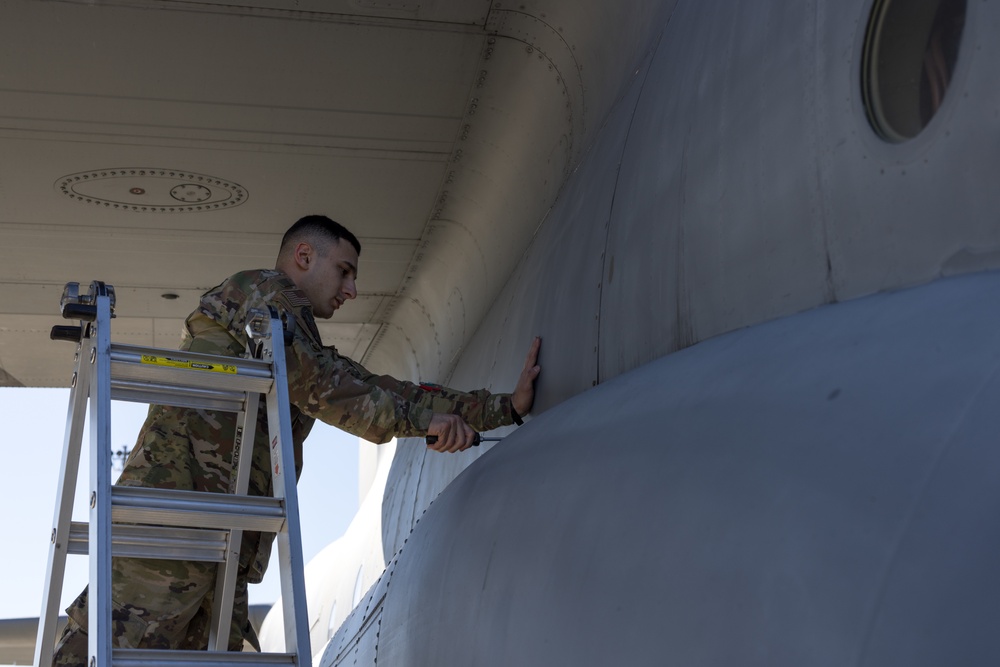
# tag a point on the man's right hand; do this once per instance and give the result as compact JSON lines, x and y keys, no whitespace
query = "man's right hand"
{"x":453,"y":434}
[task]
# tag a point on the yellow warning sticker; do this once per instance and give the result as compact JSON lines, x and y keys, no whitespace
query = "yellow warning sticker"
{"x":184,"y":363}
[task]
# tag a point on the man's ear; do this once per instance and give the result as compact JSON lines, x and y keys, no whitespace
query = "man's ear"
{"x":303,"y":255}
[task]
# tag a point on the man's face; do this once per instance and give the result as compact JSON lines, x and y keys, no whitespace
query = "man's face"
{"x":329,"y":281}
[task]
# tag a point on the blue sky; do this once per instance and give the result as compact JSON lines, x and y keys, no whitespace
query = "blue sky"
{"x":32,"y":423}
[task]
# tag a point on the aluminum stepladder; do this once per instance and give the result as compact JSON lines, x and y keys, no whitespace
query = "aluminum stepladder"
{"x":172,"y":524}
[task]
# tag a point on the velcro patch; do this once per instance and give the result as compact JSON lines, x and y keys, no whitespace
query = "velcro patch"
{"x":296,"y":298}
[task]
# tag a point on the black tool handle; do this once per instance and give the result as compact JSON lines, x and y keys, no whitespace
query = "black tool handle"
{"x":73,"y":334}
{"x":80,"y":311}
{"x":431,"y":439}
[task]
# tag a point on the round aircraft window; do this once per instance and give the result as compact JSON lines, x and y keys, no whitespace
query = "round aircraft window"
{"x":911,"y":47}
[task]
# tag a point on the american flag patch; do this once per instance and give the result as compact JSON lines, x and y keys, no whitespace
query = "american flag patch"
{"x":296,"y":298}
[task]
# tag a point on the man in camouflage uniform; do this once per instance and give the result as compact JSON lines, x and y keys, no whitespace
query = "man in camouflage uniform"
{"x":167,"y":604}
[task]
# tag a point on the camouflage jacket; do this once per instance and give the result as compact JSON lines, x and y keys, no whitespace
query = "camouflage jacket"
{"x":192,"y":449}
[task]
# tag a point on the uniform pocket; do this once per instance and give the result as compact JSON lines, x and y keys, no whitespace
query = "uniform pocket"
{"x":127,"y":629}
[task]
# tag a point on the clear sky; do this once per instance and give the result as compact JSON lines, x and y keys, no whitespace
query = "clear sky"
{"x":32,"y":423}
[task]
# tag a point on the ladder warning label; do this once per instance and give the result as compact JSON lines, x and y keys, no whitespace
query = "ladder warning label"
{"x":184,"y":363}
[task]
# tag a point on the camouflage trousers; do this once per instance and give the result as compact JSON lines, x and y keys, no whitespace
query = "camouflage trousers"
{"x":158,"y":604}
{"x":167,"y":604}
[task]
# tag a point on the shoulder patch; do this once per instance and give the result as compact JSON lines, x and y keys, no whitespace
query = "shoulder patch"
{"x":296,"y":298}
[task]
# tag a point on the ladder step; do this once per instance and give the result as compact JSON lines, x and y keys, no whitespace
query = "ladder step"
{"x":137,"y":391}
{"x":196,"y":509}
{"x":158,"y":542}
{"x":189,"y":369}
{"x":131,"y":657}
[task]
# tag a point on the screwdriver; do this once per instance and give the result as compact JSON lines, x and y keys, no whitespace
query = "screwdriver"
{"x":431,"y":439}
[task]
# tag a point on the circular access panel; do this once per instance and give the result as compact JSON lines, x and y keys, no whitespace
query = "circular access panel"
{"x":152,"y":190}
{"x":911,"y":47}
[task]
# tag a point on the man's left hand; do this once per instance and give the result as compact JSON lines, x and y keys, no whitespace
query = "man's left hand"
{"x":524,"y":393}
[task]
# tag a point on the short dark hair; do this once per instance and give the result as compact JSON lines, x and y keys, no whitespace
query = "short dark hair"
{"x":322,"y":226}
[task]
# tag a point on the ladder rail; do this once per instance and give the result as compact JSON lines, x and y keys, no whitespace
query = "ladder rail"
{"x":99,"y":598}
{"x":68,"y":471}
{"x":290,"y":559}
{"x":225,"y":588}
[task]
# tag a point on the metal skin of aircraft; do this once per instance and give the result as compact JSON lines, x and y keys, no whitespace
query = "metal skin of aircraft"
{"x":758,"y":239}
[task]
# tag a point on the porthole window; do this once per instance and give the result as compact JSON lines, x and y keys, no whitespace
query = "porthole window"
{"x":911,"y":47}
